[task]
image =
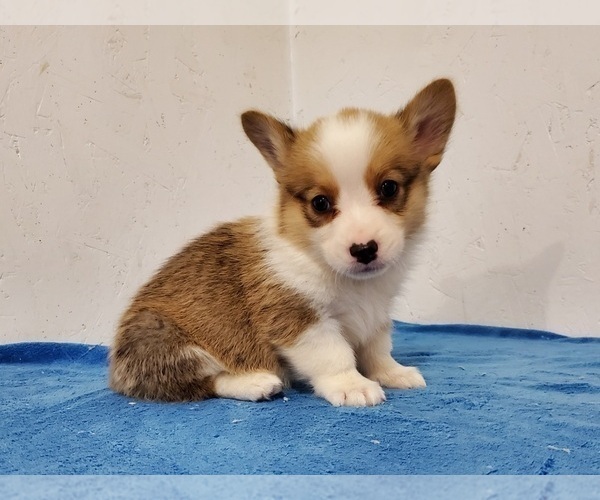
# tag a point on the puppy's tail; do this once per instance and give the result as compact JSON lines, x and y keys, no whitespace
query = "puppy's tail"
{"x":152,"y":359}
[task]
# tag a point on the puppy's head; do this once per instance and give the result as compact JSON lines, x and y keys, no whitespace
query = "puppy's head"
{"x":353,"y":186}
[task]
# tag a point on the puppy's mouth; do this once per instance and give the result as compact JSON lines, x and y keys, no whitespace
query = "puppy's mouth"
{"x":366,"y":271}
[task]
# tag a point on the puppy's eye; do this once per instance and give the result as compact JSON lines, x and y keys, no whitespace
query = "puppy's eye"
{"x":321,"y":203}
{"x":388,"y":189}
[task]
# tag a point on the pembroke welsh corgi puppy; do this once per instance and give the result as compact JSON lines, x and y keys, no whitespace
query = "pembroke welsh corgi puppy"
{"x":304,"y":294}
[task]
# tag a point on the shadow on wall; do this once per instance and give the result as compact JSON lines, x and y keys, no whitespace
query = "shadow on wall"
{"x":508,"y":293}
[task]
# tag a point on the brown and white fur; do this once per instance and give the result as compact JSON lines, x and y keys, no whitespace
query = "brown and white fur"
{"x":304,"y":294}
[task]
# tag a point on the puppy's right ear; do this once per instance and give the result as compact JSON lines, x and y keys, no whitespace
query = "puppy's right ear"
{"x":270,"y":136}
{"x":428,"y":119}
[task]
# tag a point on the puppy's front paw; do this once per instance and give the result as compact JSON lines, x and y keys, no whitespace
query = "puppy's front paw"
{"x":350,"y":390}
{"x":401,"y":377}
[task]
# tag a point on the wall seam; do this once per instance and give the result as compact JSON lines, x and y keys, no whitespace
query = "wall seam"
{"x":291,"y":60}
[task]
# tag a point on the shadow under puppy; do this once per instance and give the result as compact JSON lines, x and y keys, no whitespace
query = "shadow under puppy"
{"x":305,"y":293}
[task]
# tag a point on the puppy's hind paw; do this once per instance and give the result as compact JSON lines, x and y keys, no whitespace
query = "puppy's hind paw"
{"x":255,"y":386}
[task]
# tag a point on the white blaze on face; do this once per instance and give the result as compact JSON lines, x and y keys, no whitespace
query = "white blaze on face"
{"x":346,"y":145}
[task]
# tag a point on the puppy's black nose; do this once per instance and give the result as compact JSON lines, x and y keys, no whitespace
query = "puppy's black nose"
{"x":364,"y":253}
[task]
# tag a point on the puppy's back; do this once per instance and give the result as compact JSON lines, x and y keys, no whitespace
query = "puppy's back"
{"x":214,"y":307}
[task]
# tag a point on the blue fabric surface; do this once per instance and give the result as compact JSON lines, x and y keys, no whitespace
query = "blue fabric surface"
{"x":498,"y":401}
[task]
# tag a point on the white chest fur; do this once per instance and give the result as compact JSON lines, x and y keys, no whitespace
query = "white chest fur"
{"x":362,"y":307}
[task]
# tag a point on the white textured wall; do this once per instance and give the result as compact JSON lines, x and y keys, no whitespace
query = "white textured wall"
{"x":514,"y":233}
{"x":119,"y":144}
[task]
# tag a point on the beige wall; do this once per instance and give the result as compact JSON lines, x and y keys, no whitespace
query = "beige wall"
{"x":514,"y":233}
{"x":118,"y":144}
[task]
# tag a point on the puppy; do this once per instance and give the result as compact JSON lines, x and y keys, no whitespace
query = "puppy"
{"x":304,"y":294}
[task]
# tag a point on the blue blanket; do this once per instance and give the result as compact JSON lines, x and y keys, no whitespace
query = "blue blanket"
{"x":498,"y":401}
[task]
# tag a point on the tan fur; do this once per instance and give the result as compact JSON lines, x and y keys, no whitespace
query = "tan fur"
{"x":237,"y":320}
{"x":215,"y":310}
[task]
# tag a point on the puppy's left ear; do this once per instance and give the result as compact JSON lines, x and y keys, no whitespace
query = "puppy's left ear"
{"x":428,"y":120}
